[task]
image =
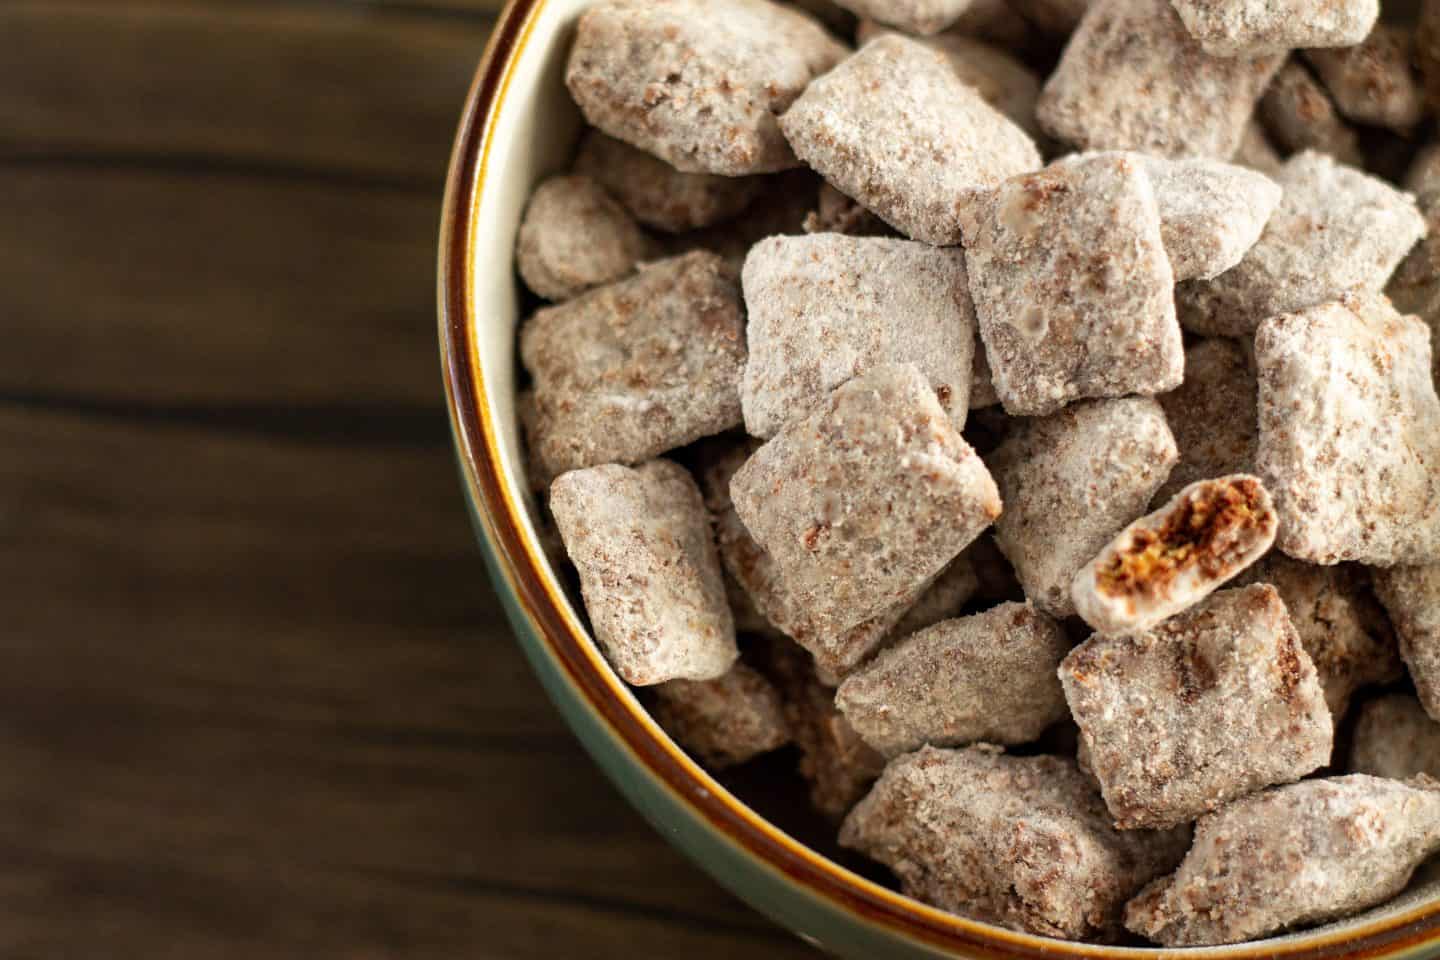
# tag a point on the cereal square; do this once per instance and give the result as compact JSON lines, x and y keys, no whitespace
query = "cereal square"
{"x":1394,"y":737}
{"x":923,"y":17}
{"x":1211,"y":213}
{"x":1249,"y":28}
{"x":575,"y":236}
{"x":1212,"y":414}
{"x":1371,"y":81}
{"x":724,"y":721}
{"x":1411,"y":595}
{"x":1301,"y":116}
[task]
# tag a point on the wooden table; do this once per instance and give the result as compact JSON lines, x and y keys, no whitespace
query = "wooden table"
{"x":256,"y":697}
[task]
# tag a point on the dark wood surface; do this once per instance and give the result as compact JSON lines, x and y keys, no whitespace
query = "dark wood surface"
{"x":257,"y":698}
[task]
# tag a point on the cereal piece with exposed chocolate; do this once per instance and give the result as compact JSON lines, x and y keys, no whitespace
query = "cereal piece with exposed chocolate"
{"x":1212,"y":414}
{"x":1250,"y":28}
{"x":1300,"y":115}
{"x":640,"y":539}
{"x":1394,"y":737}
{"x":1210,"y":705}
{"x":1292,"y":857}
{"x":1335,"y":229}
{"x":698,"y":83}
{"x":1371,"y":82}
{"x":1132,"y":78}
{"x":656,"y":193}
{"x":863,"y":502}
{"x":1072,"y":286}
{"x":922,"y":17}
{"x":1256,"y":151}
{"x":1414,"y":287}
{"x":1070,"y":482}
{"x":987,"y":677}
{"x":825,"y":307}
{"x":1211,"y":213}
{"x":1023,"y":842}
{"x":1170,"y":560}
{"x":641,"y":366}
{"x":724,"y":721}
{"x":1348,"y":432}
{"x":897,"y":129}
{"x":574,"y":237}
{"x":1411,"y":595}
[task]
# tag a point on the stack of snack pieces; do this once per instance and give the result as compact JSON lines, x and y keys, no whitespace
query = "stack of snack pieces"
{"x":1020,"y":366}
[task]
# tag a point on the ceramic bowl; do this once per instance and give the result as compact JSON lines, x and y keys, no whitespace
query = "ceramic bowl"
{"x":519,"y":125}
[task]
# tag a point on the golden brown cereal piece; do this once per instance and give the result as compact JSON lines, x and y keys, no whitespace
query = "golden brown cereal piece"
{"x":826,"y":307}
{"x":1335,"y":229}
{"x":1411,"y":596}
{"x":860,"y":124}
{"x":1170,"y":560}
{"x":1023,"y":842}
{"x":1070,"y":482}
{"x":1212,"y":414}
{"x":574,"y":237}
{"x":922,"y":17}
{"x":698,"y":83}
{"x":1132,"y":78}
{"x":1371,"y":82}
{"x":1300,"y":115}
{"x":656,"y":193}
{"x":1256,"y":151}
{"x":1249,"y":28}
{"x":1072,"y":286}
{"x":1348,"y":432}
{"x":1395,"y":738}
{"x":863,"y":502}
{"x":836,"y":213}
{"x":641,"y":366}
{"x":987,"y":677}
{"x":1414,"y":287}
{"x":1210,"y":705}
{"x":1291,"y":857}
{"x":1340,"y":623}
{"x":724,"y":721}
{"x":640,"y":539}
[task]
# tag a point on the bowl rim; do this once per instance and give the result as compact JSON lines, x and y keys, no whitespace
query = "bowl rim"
{"x":516,"y":561}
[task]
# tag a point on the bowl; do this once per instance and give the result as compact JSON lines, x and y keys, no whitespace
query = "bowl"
{"x":519,"y":126}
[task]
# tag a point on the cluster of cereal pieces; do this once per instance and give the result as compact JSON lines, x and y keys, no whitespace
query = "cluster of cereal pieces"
{"x":936,"y":417}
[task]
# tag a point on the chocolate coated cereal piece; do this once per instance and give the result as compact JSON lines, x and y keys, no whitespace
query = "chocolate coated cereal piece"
{"x":923,"y":17}
{"x":1210,"y":705}
{"x":1414,"y":287}
{"x":1211,"y":213}
{"x":641,"y":366}
{"x":1300,"y":115}
{"x":1171,"y":559}
{"x":987,"y":677}
{"x":1335,"y":229}
{"x":1371,"y":82}
{"x":1072,"y":286}
{"x":1249,"y":28}
{"x":1212,"y":414}
{"x":1132,"y":78}
{"x":1070,"y":482}
{"x":697,"y":82}
{"x":863,"y":502}
{"x":574,"y":237}
{"x":825,"y":307}
{"x":1411,"y":595}
{"x":1348,"y":432}
{"x":656,"y":193}
{"x":1394,"y":737}
{"x":1023,"y":842}
{"x":640,"y":539}
{"x":1291,"y":857}
{"x":1256,"y":151}
{"x":724,"y":721}
{"x":862,"y":127}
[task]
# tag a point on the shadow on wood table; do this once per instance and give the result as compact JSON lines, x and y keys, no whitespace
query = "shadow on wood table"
{"x":256,"y":697}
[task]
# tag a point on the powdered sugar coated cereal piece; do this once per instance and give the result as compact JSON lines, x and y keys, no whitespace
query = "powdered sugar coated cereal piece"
{"x":1335,"y":229}
{"x":1023,"y":842}
{"x":1348,"y":432}
{"x":1212,"y":414}
{"x":1256,"y":151}
{"x":724,"y":721}
{"x":697,"y":82}
{"x":1132,"y":78}
{"x":1210,"y":705}
{"x":863,"y":502}
{"x":640,"y":539}
{"x":1249,"y":28}
{"x":1211,"y":213}
{"x":575,"y":236}
{"x":825,"y":307}
{"x":781,"y":207}
{"x":1301,"y":116}
{"x":1171,"y":559}
{"x":1371,"y":82}
{"x":641,"y":366}
{"x":1070,"y":482}
{"x":1411,"y":595}
{"x":1394,"y":737}
{"x":1072,"y":286}
{"x":836,"y":213}
{"x":913,"y":16}
{"x":990,"y":677}
{"x":1290,"y":857}
{"x":896,"y":128}
{"x":1414,"y":287}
